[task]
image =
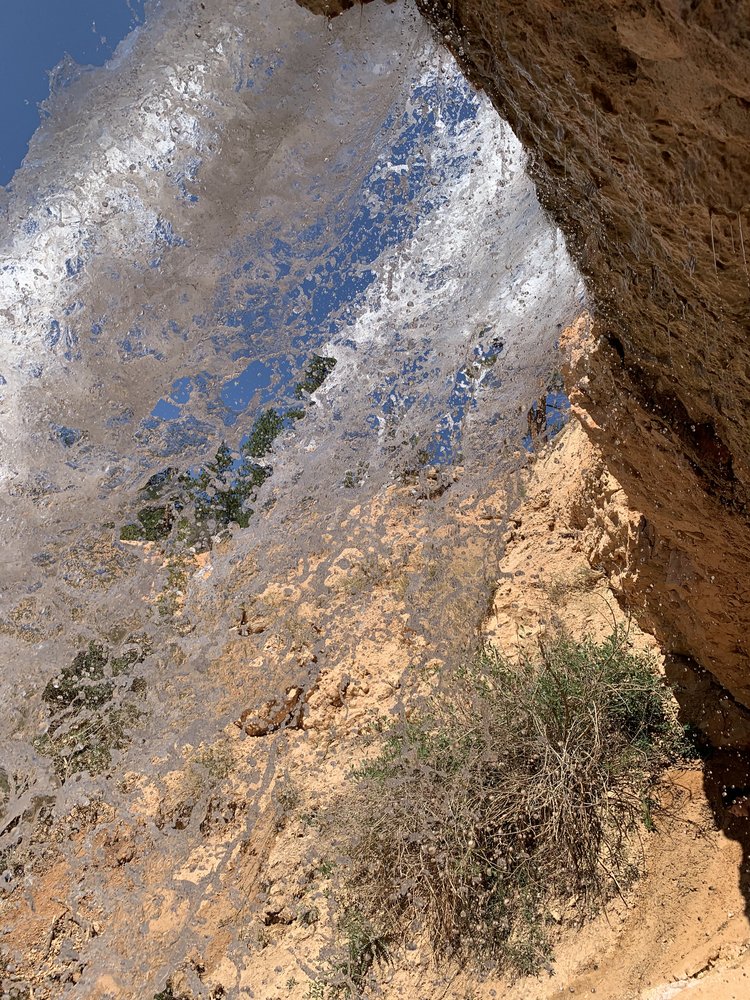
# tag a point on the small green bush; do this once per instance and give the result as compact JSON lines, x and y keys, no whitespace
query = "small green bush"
{"x":85,"y":723}
{"x":82,"y":684}
{"x":86,"y":745}
{"x":317,"y":371}
{"x":515,"y":789}
{"x":154,"y":524}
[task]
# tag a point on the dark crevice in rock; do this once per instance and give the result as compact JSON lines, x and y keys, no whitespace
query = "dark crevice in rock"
{"x":706,"y":706}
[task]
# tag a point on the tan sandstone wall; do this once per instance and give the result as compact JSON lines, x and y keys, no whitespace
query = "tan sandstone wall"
{"x":636,"y":119}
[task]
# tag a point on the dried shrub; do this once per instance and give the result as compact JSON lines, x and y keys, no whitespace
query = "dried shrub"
{"x":517,"y":786}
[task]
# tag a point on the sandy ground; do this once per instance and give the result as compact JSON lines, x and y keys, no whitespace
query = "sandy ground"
{"x":683,"y":930}
{"x":248,"y":887}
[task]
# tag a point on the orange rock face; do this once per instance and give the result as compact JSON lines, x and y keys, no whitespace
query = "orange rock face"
{"x":636,"y":118}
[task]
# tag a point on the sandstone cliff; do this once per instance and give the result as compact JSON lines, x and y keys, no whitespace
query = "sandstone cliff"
{"x":636,"y":119}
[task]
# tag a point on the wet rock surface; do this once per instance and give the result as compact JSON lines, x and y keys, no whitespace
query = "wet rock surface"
{"x":332,"y":8}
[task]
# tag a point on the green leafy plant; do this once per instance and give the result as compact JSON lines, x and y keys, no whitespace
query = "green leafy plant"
{"x":361,"y":949}
{"x":85,"y":722}
{"x":152,"y":524}
{"x":317,"y":371}
{"x":364,"y":948}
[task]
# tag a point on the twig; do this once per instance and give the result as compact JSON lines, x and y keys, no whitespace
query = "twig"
{"x":713,"y":245}
{"x":742,"y":244}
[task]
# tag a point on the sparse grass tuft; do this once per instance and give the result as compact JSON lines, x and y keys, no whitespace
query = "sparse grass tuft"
{"x":517,"y":788}
{"x":582,"y":580}
{"x":362,"y":949}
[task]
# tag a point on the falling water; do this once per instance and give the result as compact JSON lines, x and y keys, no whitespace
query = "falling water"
{"x":264,"y":258}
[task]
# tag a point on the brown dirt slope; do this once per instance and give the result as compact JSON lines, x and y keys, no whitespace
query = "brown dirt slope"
{"x":241,"y":903}
{"x":684,"y":926}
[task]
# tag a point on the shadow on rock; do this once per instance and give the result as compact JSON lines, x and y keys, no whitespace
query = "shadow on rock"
{"x":722,"y":728}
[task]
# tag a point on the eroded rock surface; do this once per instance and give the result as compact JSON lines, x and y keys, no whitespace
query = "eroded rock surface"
{"x":636,"y":119}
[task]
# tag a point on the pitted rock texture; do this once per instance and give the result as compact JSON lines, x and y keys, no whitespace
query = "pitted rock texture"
{"x":685,"y":569}
{"x":636,"y":119}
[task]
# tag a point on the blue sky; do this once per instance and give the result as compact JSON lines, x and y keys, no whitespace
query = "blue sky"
{"x":34,"y":37}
